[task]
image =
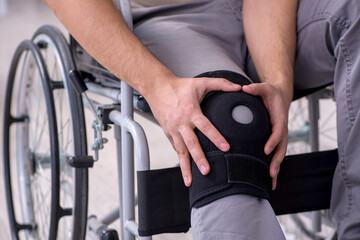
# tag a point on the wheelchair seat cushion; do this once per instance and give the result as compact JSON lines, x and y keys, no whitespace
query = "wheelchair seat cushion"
{"x":244,"y":122}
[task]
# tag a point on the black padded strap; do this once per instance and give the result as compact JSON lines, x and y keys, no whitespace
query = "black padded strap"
{"x":304,"y":184}
{"x":163,"y":202}
{"x":230,"y":174}
{"x":247,"y":169}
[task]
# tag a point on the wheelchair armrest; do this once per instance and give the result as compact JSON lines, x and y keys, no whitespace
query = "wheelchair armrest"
{"x":305,"y":92}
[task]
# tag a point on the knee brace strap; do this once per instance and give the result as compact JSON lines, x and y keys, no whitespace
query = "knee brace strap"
{"x":244,"y":169}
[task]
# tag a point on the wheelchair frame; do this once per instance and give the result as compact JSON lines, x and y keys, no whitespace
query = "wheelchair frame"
{"x":128,"y":133}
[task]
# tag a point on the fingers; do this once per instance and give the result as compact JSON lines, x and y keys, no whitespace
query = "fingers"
{"x":193,"y":145}
{"x":220,"y":84}
{"x":182,"y":114}
{"x":276,"y":161}
{"x":206,"y":127}
{"x":184,"y":159}
{"x":278,"y":140}
{"x":274,"y":103}
{"x":254,"y":89}
{"x":185,"y":141}
{"x":279,"y":132}
{"x":202,"y":123}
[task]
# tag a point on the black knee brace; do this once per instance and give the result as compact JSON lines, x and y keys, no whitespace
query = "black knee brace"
{"x":244,"y":122}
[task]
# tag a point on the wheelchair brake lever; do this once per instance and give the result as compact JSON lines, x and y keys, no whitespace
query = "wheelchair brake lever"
{"x":80,"y":88}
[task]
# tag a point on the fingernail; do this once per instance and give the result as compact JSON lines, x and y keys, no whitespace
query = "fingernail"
{"x":224,"y":146}
{"x":187,"y":181}
{"x":274,"y":185}
{"x":203,"y":169}
{"x":268,"y":150}
{"x":276,"y":170}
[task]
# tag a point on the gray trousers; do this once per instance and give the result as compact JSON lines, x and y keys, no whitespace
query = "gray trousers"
{"x":208,"y":35}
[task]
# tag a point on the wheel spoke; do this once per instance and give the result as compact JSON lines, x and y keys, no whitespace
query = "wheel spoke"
{"x":39,"y":138}
{"x":40,"y":209}
{"x":38,"y":112}
{"x":61,"y":132}
{"x":40,"y":172}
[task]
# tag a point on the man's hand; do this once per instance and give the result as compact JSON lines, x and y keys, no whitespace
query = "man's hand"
{"x":270,"y":31}
{"x":176,"y":106}
{"x":275,"y":102}
{"x":102,"y":31}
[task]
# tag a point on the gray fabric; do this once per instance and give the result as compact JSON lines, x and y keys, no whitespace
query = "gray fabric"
{"x":153,"y":3}
{"x":195,"y":37}
{"x":236,"y":217}
{"x":329,"y":50}
{"x":202,"y":36}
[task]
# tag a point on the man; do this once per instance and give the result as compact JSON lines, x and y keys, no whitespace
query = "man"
{"x":180,"y":41}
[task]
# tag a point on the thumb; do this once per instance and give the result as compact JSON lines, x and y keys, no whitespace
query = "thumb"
{"x":221,"y":84}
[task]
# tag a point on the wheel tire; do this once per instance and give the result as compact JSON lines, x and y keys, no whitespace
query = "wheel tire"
{"x":69,"y":109}
{"x":41,"y":159}
{"x":36,"y":143}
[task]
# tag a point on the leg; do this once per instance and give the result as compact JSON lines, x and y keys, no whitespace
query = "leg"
{"x":328,"y":51}
{"x":346,"y":184}
{"x":254,"y":219}
{"x":191,"y":39}
{"x":334,"y":29}
{"x":221,"y":208}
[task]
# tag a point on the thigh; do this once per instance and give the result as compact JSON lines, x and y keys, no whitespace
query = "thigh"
{"x":320,"y":25}
{"x":237,"y":217}
{"x":195,"y":37}
{"x":328,"y":51}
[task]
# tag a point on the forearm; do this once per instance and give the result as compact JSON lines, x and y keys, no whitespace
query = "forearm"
{"x":270,"y":30}
{"x":102,"y":31}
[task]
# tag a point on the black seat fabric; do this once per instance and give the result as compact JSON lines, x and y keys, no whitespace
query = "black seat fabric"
{"x":304,"y":184}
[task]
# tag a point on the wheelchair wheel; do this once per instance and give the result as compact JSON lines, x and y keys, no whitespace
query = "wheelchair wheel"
{"x":311,"y":225}
{"x":299,"y":128}
{"x":34,"y":158}
{"x":312,"y":123}
{"x":71,"y":131}
{"x":29,"y":105}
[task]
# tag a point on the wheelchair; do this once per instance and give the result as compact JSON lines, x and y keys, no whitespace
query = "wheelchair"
{"x":46,"y":159}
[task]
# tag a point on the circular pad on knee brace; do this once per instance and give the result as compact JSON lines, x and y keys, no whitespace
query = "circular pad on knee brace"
{"x":245,"y":123}
{"x":242,"y":114}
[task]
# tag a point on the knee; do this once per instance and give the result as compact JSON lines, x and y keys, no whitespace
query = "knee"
{"x":244,"y":122}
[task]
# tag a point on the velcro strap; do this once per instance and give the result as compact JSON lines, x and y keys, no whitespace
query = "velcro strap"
{"x":230,"y":174}
{"x":247,"y":169}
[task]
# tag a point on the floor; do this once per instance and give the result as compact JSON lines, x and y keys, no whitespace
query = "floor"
{"x":22,"y":19}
